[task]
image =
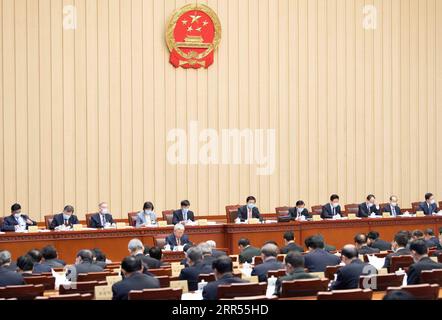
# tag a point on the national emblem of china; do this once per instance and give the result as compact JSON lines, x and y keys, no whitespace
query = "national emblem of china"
{"x":193,"y":35}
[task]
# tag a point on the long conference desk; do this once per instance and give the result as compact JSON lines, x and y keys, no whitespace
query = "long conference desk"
{"x":114,"y":241}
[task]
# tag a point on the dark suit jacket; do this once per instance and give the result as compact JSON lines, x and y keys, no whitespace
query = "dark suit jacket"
{"x":208,"y":260}
{"x":84,"y":267}
{"x":210,"y":291}
{"x":261,"y":269}
{"x":54,"y":263}
{"x":10,"y":278}
{"x":242,"y":213}
{"x":423,"y":206}
{"x":381,"y":245}
{"x":327,"y":211}
{"x":10,"y":222}
{"x":136,"y":281}
{"x":364,"y":212}
{"x":433,"y":242}
{"x":368,"y":250}
{"x":348,"y":276}
{"x":317,"y":260}
{"x":58,"y":221}
{"x":218,"y":253}
{"x":291,"y":247}
{"x":171,"y":240}
{"x":248,"y":253}
{"x":40,"y":268}
{"x":414,"y":271}
{"x":191,"y":274}
{"x":293,"y":213}
{"x":96,"y":220}
{"x":298,"y":274}
{"x":387,"y":208}
{"x":400,"y":252}
{"x":178,"y":216}
{"x":149,"y":262}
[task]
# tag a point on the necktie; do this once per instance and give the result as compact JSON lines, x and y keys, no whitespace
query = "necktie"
{"x":334,"y":211}
{"x":103,"y":222}
{"x":178,"y":242}
{"x":184,"y":216}
{"x":249,"y":215}
{"x":65,"y":222}
{"x":393,"y":211}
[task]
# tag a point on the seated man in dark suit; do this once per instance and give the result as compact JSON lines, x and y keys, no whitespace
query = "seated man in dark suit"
{"x":195,"y":268}
{"x":246,"y":251}
{"x":223,"y":269}
{"x":347,"y":277}
{"x":289,"y":243}
{"x":294,"y":266}
{"x":429,"y":206}
{"x":8,"y":277}
{"x":249,"y":211}
{"x":50,"y":257}
{"x":83,"y":264}
{"x":133,"y":279}
{"x":206,"y":251}
{"x":25,"y":265}
{"x":178,"y":238}
{"x":17,"y":221}
{"x":183,"y":215}
{"x":392,"y":207}
{"x":215,"y":253}
{"x":317,"y":259}
{"x":64,"y":220}
{"x":156,"y":253}
{"x":399,"y":247}
{"x":37,"y":258}
{"x":103,"y":218}
{"x":369,"y":207}
{"x":99,"y":258}
{"x":431,"y":240}
{"x":332,"y":209}
{"x":419,"y":251}
{"x":136,"y":249}
{"x":269,"y":252}
{"x":374,"y":241}
{"x":299,"y":211}
{"x":361,"y":245}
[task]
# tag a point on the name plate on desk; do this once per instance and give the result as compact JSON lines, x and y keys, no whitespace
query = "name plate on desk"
{"x":202,"y":222}
{"x":351,"y":216}
{"x":420,"y":214}
{"x":77,"y":227}
{"x":320,"y":275}
{"x":386,"y":215}
{"x":121,"y":225}
{"x":176,"y":268}
{"x":103,"y":293}
{"x":251,"y":279}
{"x":253,"y":221}
{"x":33,"y":228}
{"x":180,"y":284}
{"x":113,"y":279}
{"x":383,"y":271}
{"x":162,"y":224}
{"x":316,"y":217}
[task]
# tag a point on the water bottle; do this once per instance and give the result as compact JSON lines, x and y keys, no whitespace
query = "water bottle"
{"x":201,"y":285}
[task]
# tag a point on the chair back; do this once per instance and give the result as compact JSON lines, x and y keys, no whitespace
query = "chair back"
{"x":379,"y":255}
{"x":432,"y":276}
{"x":47,"y":282}
{"x":209,"y":277}
{"x":241,"y":290}
{"x":415,"y":206}
{"x":352,"y":294}
{"x":282,"y":214}
{"x":88,"y":217}
{"x":132,"y":218}
{"x":419,"y":291}
{"x":22,"y":292}
{"x":303,"y":287}
{"x":160,"y":241}
{"x":232,"y":212}
{"x":440,"y":205}
{"x":164,"y":281}
{"x":400,"y":262}
{"x":156,"y":294}
{"x":330,"y":271}
{"x":380,"y":282}
{"x":161,"y":272}
{"x":93,"y":276}
{"x":1,"y":222}
{"x":81,"y":287}
{"x":263,"y":297}
{"x":257,"y":260}
{"x":168,"y":216}
{"x":316,"y":210}
{"x":276,"y":273}
{"x":352,"y":208}
{"x":48,"y":220}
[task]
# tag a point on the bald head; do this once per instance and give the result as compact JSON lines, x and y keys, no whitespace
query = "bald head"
{"x":349,"y":253}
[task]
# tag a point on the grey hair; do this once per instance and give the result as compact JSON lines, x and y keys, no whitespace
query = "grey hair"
{"x":5,"y":257}
{"x":178,"y":226}
{"x":194,"y":253}
{"x":205,"y":248}
{"x":269,"y":250}
{"x":211,"y":243}
{"x":134,"y":245}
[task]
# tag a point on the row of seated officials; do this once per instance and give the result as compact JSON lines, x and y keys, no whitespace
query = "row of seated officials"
{"x":18,"y":221}
{"x":205,"y":259}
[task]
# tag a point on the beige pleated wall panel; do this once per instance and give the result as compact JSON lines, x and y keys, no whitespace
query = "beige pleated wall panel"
{"x":85,"y":113}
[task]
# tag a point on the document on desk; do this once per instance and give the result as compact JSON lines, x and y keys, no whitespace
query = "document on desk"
{"x":376,"y":262}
